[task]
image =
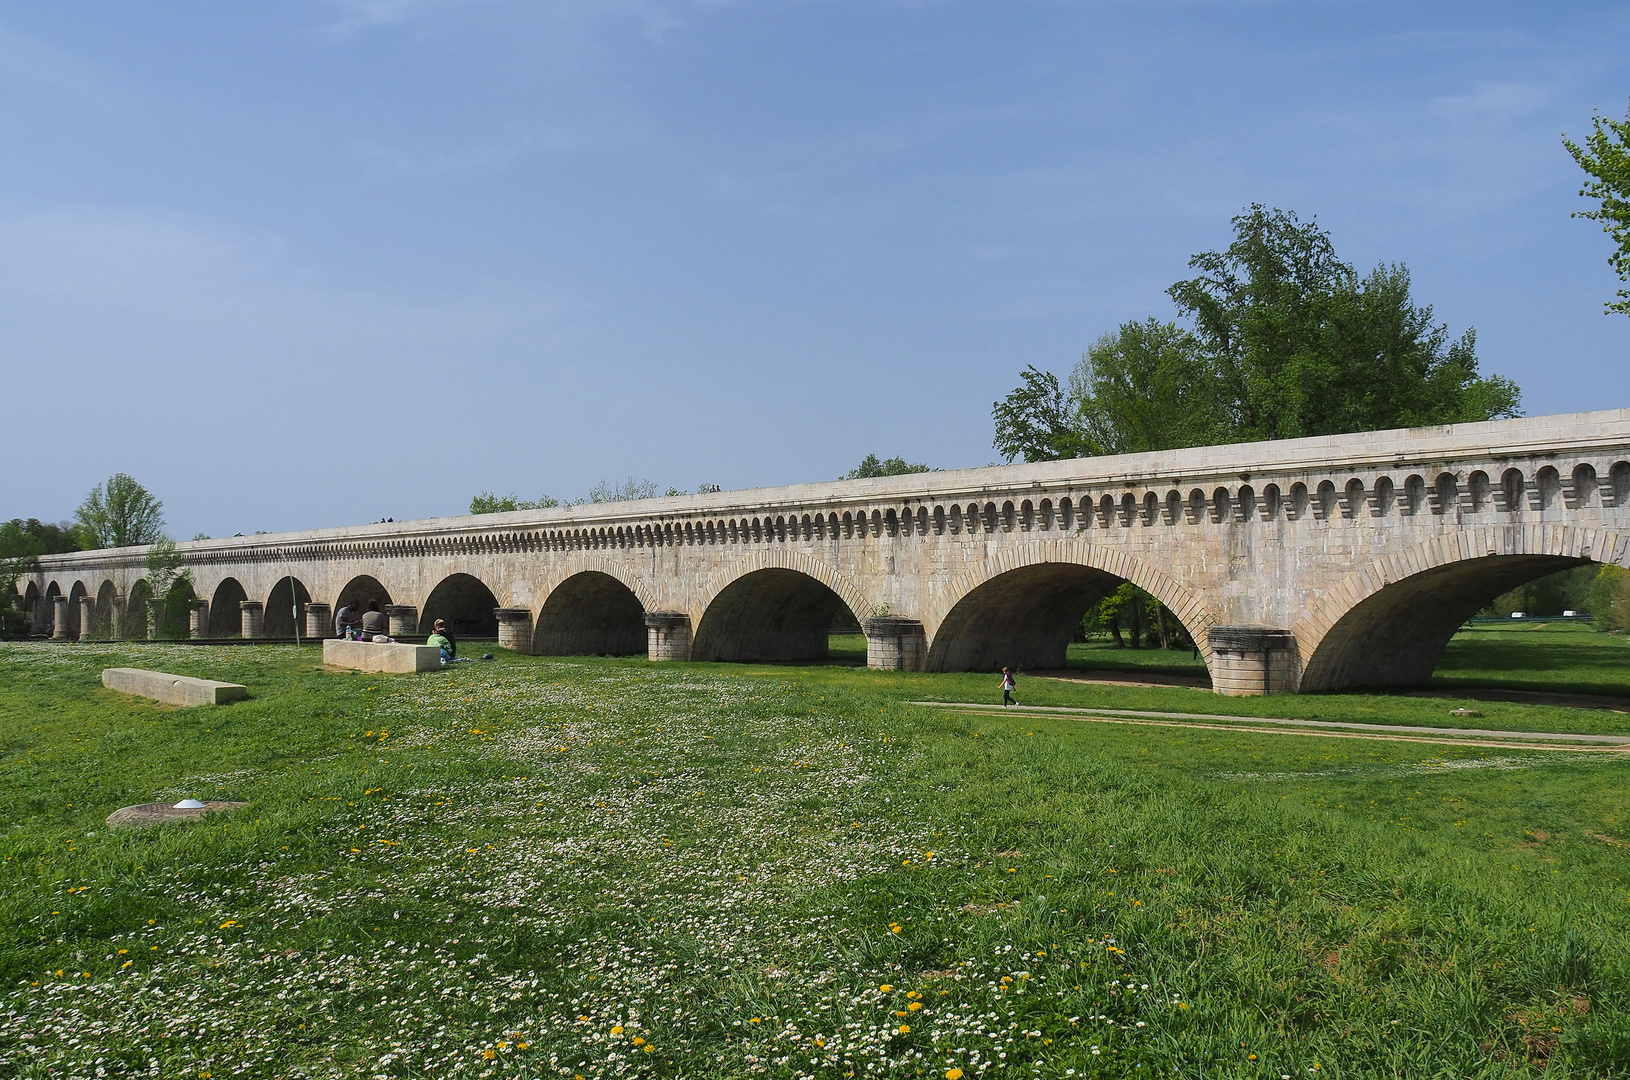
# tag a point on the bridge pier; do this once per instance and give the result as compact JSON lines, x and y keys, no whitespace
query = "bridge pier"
{"x":87,"y":616}
{"x":198,"y":619}
{"x":253,"y":614}
{"x":59,"y":616}
{"x":1249,"y":661}
{"x":668,"y":635}
{"x":514,"y":628}
{"x":319,"y":621}
{"x":895,"y":644}
{"x":155,"y":619}
{"x":116,"y":617}
{"x":404,"y":619}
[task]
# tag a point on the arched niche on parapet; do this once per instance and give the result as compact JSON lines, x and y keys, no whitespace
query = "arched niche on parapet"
{"x":77,"y":593}
{"x":465,"y":603}
{"x":280,"y":607}
{"x":360,"y":590}
{"x":225,"y":617}
{"x":590,"y":613}
{"x":103,"y":626}
{"x":1022,"y":607}
{"x":775,"y":613}
{"x":1388,"y":624}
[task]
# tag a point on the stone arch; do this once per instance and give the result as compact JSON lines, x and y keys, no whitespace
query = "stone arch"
{"x":103,"y":627}
{"x":225,"y":617}
{"x":1021,"y":606}
{"x":360,"y":590}
{"x":135,"y":625}
{"x":590,"y":613}
{"x":75,"y":594}
{"x":281,"y":602}
{"x":465,"y":603}
{"x":775,"y":606}
{"x":52,"y":591}
{"x":1387,"y":624}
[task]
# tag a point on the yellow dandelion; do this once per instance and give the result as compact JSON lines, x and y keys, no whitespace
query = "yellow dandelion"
{"x":953,"y":1074}
{"x":904,"y":1029}
{"x":886,"y":988}
{"x":915,"y":1005}
{"x":618,"y":1030}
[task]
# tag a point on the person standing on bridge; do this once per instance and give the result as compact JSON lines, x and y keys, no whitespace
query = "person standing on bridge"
{"x":1008,"y":686}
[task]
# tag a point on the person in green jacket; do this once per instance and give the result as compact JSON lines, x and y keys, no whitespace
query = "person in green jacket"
{"x":441,"y":639}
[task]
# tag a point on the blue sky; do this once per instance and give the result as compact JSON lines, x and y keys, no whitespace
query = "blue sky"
{"x":319,"y":263}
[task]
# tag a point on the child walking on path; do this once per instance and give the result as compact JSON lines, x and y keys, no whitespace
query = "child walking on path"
{"x":1008,"y":686}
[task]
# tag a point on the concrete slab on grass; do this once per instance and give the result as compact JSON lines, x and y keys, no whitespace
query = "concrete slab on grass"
{"x":389,"y":659}
{"x":171,"y":689}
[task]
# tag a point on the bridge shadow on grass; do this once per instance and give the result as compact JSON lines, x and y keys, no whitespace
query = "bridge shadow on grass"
{"x":1536,"y":657}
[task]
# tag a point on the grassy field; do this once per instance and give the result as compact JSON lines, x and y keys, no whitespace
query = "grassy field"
{"x":538,"y":867}
{"x":1537,"y":656}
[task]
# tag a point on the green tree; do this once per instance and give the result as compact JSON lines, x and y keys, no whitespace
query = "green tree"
{"x":1039,"y":422}
{"x":1285,"y":340}
{"x":1605,"y":157}
{"x":1303,"y":346}
{"x":870,"y":466}
{"x":120,"y":513}
{"x":488,"y":503}
{"x":1146,"y":387}
{"x":20,"y":538}
{"x":172,"y":582}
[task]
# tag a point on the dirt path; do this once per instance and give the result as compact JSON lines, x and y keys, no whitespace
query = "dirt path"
{"x":1332,"y":729}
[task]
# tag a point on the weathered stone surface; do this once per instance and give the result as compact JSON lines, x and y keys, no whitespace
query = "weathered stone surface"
{"x":395,"y":659}
{"x":1369,"y":550}
{"x":134,"y":817}
{"x":171,"y":689}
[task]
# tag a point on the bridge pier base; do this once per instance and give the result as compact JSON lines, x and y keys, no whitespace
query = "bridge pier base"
{"x":319,"y":621}
{"x":1249,"y":661}
{"x":668,"y":635}
{"x":514,"y":628}
{"x":198,"y":619}
{"x":253,"y":616}
{"x":87,"y":616}
{"x":59,"y":615}
{"x":895,"y":644}
{"x":404,"y":619}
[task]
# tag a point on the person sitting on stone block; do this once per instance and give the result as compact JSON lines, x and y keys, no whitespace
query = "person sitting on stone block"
{"x":374,"y":625}
{"x":441,"y":639}
{"x":345,"y":618}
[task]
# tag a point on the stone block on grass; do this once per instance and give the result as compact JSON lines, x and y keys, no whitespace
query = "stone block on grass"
{"x":392,"y":659}
{"x":171,"y":689}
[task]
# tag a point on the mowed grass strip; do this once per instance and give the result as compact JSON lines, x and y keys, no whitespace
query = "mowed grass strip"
{"x":543,"y":867}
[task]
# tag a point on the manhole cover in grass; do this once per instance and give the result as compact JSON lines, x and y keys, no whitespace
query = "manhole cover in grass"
{"x":157,"y":813}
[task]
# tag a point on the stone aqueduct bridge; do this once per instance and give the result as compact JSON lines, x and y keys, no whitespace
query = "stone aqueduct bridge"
{"x":1307,"y":564}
